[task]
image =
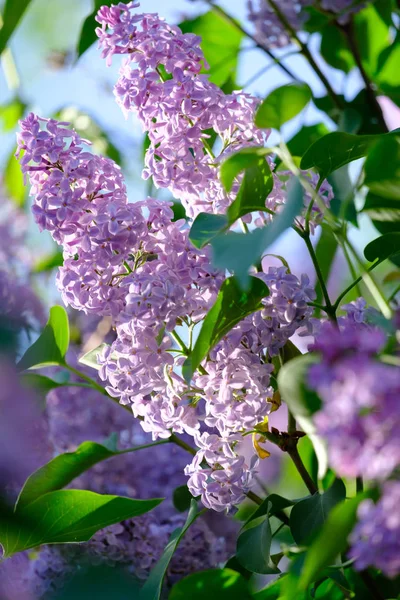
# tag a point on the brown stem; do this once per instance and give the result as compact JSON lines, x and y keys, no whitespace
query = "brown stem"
{"x":305,"y":51}
{"x":348,"y":31}
{"x":295,"y":456}
{"x":252,"y":496}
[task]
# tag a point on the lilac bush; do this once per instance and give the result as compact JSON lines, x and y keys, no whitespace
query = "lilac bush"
{"x":191,"y":351}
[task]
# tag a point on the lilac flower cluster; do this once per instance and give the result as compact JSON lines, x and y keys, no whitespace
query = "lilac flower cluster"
{"x":178,"y":108}
{"x":360,"y":422}
{"x":376,"y":538}
{"x":269,"y":29}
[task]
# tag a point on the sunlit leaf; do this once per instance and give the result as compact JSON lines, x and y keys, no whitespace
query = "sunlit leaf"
{"x":220,"y":44}
{"x":10,"y":114}
{"x":221,"y":584}
{"x":67,"y":516}
{"x":14,"y":181}
{"x":52,"y":345}
{"x":282,"y":104}
{"x":335,"y":49}
{"x":382,"y":168}
{"x":49,"y":262}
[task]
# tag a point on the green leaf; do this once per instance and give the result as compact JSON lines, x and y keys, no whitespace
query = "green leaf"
{"x":383,"y":247}
{"x":14,"y":181}
{"x":382,"y":168}
{"x":325,"y":251}
{"x":220,"y":44}
{"x":10,"y":114}
{"x":272,"y":505}
{"x":231,"y":306}
{"x":282,"y":104}
{"x":387,"y":76}
{"x":237,"y":252}
{"x":66,"y":516}
{"x":223,"y":584}
{"x":88,"y":35}
{"x":49,"y":262}
{"x":254,"y":545}
{"x":382,"y":209}
{"x":205,"y":227}
{"x":256,"y":185}
{"x":51,"y":346}
{"x":331,"y":541}
{"x":302,"y":402}
{"x":335,"y":49}
{"x":152,"y":588}
{"x":182,"y":498}
{"x":90,"y":358}
{"x":292,"y":386}
{"x":307,"y":135}
{"x":60,"y":471}
{"x":337,"y":149}
{"x":13,"y":11}
{"x":309,"y":515}
{"x":372,"y":37}
{"x":272,"y":591}
{"x":41,"y":383}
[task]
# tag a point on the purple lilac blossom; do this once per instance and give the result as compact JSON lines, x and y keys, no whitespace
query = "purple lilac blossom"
{"x":359,"y":417}
{"x":375,"y":541}
{"x":269,"y":30}
{"x":178,"y":111}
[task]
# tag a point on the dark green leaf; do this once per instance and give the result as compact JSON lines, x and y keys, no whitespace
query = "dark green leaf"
{"x":382,"y":168}
{"x":337,"y":149}
{"x":10,"y":114}
{"x":232,"y":306}
{"x":13,"y":11}
{"x":69,"y":516}
{"x":41,"y":383}
{"x":272,"y":505}
{"x":152,"y":588}
{"x":282,"y":104}
{"x":52,"y":345}
{"x":223,"y":584}
{"x":179,"y":211}
{"x":254,"y":544}
{"x":331,"y":541}
{"x":272,"y":591}
{"x":382,"y":209}
{"x":383,"y":247}
{"x":103,"y":582}
{"x":60,"y":471}
{"x":88,"y":34}
{"x":237,"y":252}
{"x":307,"y":135}
{"x":325,"y":250}
{"x":14,"y":181}
{"x":335,"y":49}
{"x":309,"y":515}
{"x":220,"y":44}
{"x":48,"y":263}
{"x":182,"y":498}
{"x":205,"y":227}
